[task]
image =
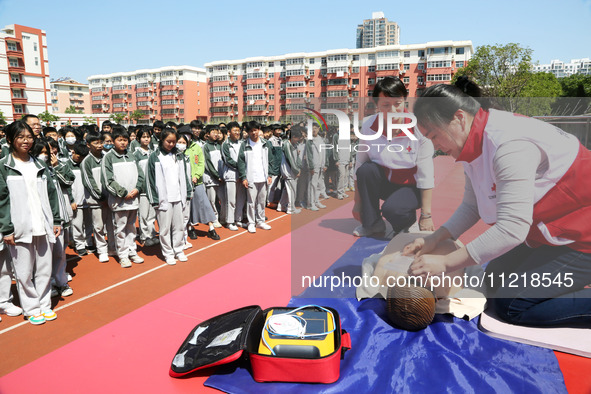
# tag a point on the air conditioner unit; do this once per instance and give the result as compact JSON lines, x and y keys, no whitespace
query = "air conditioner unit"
{"x":307,"y":77}
{"x":354,"y":86}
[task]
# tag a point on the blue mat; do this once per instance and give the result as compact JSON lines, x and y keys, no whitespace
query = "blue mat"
{"x":451,"y":355}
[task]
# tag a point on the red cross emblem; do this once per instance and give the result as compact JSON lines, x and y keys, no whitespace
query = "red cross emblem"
{"x":409,"y":149}
{"x":494,"y":187}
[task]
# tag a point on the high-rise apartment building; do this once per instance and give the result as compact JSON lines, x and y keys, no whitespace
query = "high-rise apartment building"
{"x":66,"y":93}
{"x":174,"y":93}
{"x":561,"y":69}
{"x":377,"y":31}
{"x":276,"y":88}
{"x":24,"y":72}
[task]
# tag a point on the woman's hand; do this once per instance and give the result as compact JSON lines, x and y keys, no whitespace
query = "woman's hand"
{"x":428,"y":265}
{"x":426,"y":224}
{"x":9,"y":239}
{"x":419,"y":246}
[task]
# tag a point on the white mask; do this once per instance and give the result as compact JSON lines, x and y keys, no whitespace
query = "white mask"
{"x":43,"y":157}
{"x":70,"y":140}
{"x":181,"y":147}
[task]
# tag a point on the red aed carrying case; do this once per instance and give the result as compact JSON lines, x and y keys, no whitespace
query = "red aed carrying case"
{"x":237,"y":334}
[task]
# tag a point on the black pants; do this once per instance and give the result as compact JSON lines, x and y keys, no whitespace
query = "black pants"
{"x":400,"y":201}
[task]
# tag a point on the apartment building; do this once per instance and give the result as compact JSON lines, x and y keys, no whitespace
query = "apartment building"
{"x":277,"y":88}
{"x":562,"y":69}
{"x":174,"y":93}
{"x":66,"y":93}
{"x":24,"y":72}
{"x":377,"y":31}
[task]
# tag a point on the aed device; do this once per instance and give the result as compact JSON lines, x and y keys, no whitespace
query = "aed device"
{"x":304,"y":332}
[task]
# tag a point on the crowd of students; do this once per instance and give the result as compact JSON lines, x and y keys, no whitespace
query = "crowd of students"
{"x":87,"y":187}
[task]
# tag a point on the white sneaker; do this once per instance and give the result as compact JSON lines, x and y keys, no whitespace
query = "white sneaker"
{"x":217,"y":224}
{"x":11,"y":310}
{"x":69,"y":278}
{"x":320,"y":205}
{"x":377,"y":229}
{"x":136,"y":259}
{"x":252,"y":228}
{"x":171,"y":261}
{"x":125,"y":263}
{"x":263,"y":226}
{"x":182,"y":257}
{"x":103,"y":258}
{"x":188,"y":245}
{"x":313,"y":208}
{"x":232,"y":227}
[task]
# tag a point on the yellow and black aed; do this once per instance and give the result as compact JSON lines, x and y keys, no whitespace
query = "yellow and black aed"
{"x":306,"y":333}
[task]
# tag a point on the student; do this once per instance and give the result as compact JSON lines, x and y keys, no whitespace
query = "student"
{"x":290,"y":171}
{"x":156,"y":131}
{"x":107,"y":139}
{"x":274,"y":140}
{"x":123,"y":180}
{"x":253,"y":171}
{"x":201,"y":210}
{"x":532,"y":183}
{"x":80,"y":226}
{"x":96,"y":199}
{"x":315,"y":160}
{"x":341,"y":154}
{"x":235,"y":195}
{"x":350,"y":172}
{"x":106,"y":127}
{"x":146,"y":213}
{"x":134,"y":142}
{"x":62,"y":178}
{"x":6,"y":305}
{"x":169,"y":190}
{"x":302,"y":181}
{"x":29,"y":222}
{"x":212,"y":179}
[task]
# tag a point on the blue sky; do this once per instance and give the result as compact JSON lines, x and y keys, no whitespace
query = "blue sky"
{"x":101,"y":37}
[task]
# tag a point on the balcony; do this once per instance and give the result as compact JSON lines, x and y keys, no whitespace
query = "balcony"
{"x":19,"y":100}
{"x":17,"y":84}
{"x":16,"y":67}
{"x":16,"y":53}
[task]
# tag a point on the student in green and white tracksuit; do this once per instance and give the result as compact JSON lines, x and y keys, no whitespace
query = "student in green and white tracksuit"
{"x":290,"y":171}
{"x":168,"y":187}
{"x":235,"y":193}
{"x":146,"y":213}
{"x":29,"y":222}
{"x":123,"y":180}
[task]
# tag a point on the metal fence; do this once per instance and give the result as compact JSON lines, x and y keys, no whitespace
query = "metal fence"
{"x":579,"y":126}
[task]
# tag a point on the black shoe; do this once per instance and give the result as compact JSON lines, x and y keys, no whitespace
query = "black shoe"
{"x":151,"y":242}
{"x":192,"y":233}
{"x":81,"y":252}
{"x":91,"y":249}
{"x":213,"y":235}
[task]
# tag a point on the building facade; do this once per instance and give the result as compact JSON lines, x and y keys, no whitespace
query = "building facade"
{"x":377,"y":31}
{"x":175,"y":93}
{"x":24,"y":72}
{"x":277,"y":88}
{"x":66,"y":93}
{"x":561,"y":69}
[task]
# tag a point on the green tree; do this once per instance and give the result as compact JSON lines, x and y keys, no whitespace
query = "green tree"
{"x":89,"y":120}
{"x":2,"y":118}
{"x":576,"y":85}
{"x":136,"y":115}
{"x":118,"y":117}
{"x":47,"y":117}
{"x":538,"y":95}
{"x":500,"y":70}
{"x":72,"y":110}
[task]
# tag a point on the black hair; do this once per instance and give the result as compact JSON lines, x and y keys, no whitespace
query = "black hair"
{"x":28,"y":116}
{"x":231,"y":125}
{"x":119,"y":131}
{"x":186,"y":137}
{"x":76,"y":133}
{"x":140,"y":133}
{"x":252,"y":125}
{"x":93,"y":136}
{"x":391,"y":87}
{"x":103,"y":135}
{"x":106,"y":123}
{"x":38,"y":146}
{"x":81,"y":149}
{"x":160,"y":124}
{"x":49,"y":129}
{"x":15,"y":129}
{"x":171,"y":124}
{"x":166,"y":132}
{"x":296,"y":131}
{"x":53,"y":143}
{"x":438,"y":104}
{"x":196,"y":124}
{"x":211,"y":127}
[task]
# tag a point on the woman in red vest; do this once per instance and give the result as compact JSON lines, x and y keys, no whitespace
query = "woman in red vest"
{"x":532,"y":183}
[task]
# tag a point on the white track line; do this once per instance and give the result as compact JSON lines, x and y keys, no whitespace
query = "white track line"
{"x":133,"y":278}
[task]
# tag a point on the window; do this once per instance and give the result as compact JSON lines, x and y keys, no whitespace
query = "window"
{"x":13,"y":62}
{"x":406,"y":53}
{"x":439,"y":77}
{"x":290,"y":73}
{"x":459,"y":51}
{"x":311,"y":60}
{"x":406,"y":79}
{"x":421,"y":66}
{"x":439,"y":51}
{"x":421,"y":53}
{"x":355,"y":57}
{"x":255,"y":75}
{"x":371,"y":56}
{"x":11,"y":46}
{"x":421,"y":80}
{"x":387,"y":54}
{"x":407,"y":67}
{"x":459,"y":64}
{"x":311,"y":84}
{"x":388,"y":66}
{"x":299,"y":60}
{"x":371,"y":81}
{"x":35,"y":46}
{"x":439,"y":63}
{"x":336,"y":58}
{"x":295,"y":84}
